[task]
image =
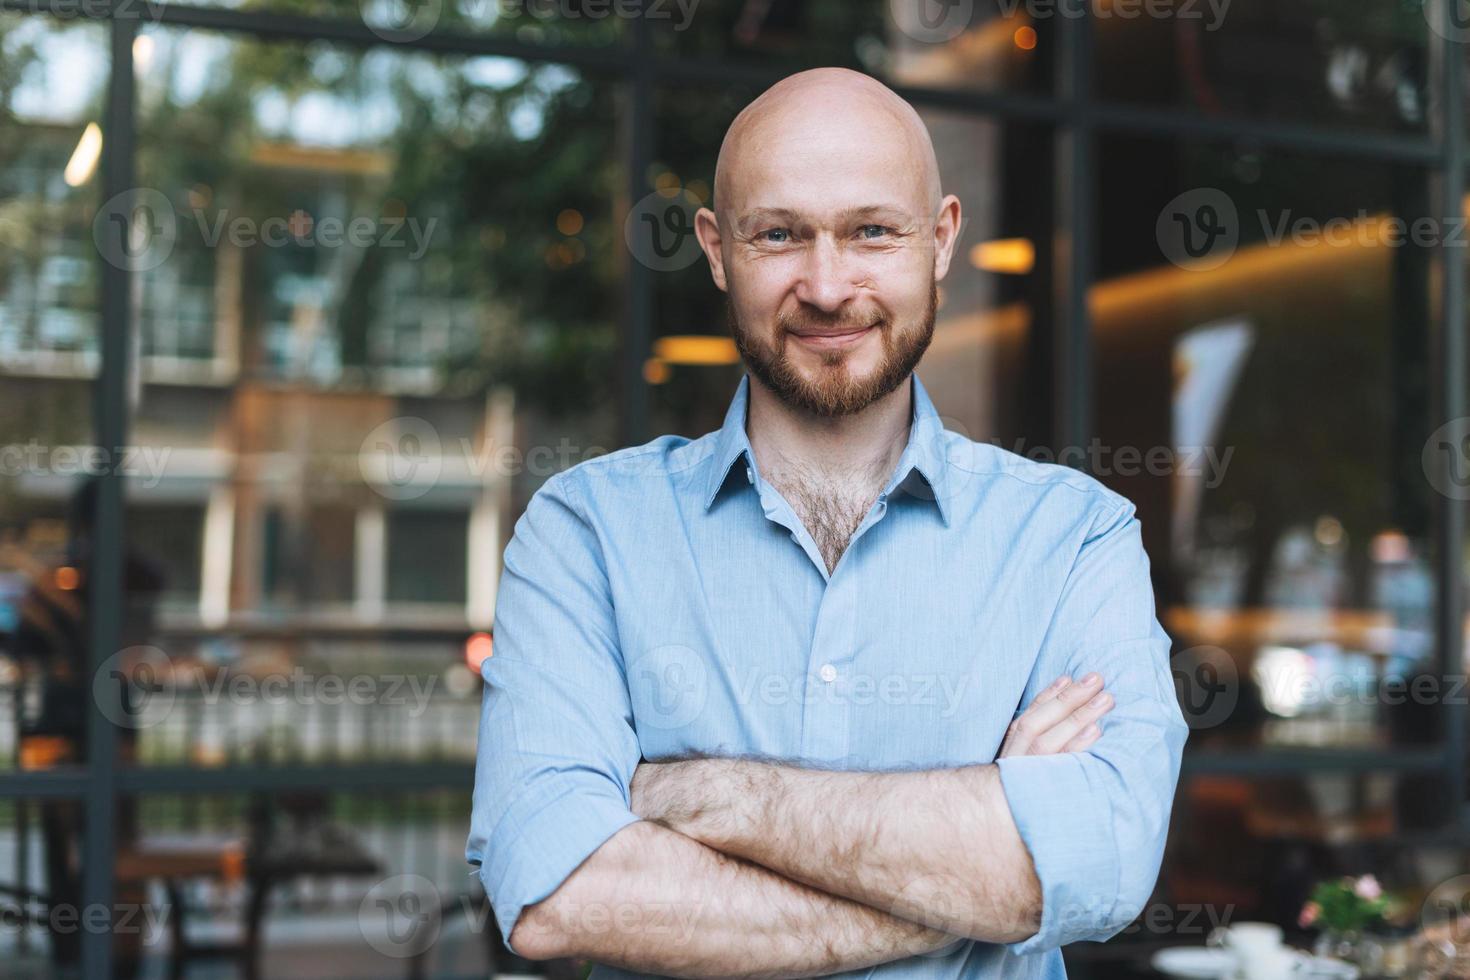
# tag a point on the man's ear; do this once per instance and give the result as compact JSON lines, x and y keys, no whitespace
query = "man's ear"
{"x":707,"y":229}
{"x":946,"y":235}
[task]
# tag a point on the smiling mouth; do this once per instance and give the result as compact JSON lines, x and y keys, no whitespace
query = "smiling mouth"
{"x":831,"y":340}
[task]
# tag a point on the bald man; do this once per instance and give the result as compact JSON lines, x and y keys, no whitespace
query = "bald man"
{"x":830,"y":689}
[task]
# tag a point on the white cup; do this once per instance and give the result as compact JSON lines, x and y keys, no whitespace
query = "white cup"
{"x":1257,"y":950}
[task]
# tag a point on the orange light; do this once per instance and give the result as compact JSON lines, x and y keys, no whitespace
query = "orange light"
{"x":232,"y":863}
{"x":569,"y":222}
{"x":479,"y":648}
{"x":67,"y":578}
{"x":696,"y":349}
{"x":655,"y":371}
{"x":1025,"y":38}
{"x":1010,"y":256}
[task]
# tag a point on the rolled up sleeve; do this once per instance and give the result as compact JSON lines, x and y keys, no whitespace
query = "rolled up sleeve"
{"x":1095,"y":822}
{"x":556,"y":748}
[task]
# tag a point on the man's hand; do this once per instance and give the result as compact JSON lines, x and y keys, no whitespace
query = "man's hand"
{"x":1063,"y":718}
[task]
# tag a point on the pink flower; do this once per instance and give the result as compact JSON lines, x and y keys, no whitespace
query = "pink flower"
{"x":1310,"y":911}
{"x":1367,"y":888}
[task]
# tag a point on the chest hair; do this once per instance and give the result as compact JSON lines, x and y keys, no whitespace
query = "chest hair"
{"x":830,"y":508}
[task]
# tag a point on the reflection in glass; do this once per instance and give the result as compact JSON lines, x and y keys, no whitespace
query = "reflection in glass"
{"x":380,"y":318}
{"x":988,"y":45}
{"x":50,"y":148}
{"x":1349,"y":62}
{"x":1266,"y":409}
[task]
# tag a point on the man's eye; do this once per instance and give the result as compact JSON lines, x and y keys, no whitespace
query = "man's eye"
{"x":775,"y":236}
{"x":873,"y":231}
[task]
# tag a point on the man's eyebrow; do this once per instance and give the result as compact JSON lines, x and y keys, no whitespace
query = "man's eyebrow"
{"x":889,"y":212}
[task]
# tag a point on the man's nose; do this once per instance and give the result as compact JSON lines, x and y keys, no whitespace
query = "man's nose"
{"x":827,"y":279}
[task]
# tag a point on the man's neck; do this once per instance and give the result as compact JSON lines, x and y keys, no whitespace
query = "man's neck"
{"x":829,"y":469}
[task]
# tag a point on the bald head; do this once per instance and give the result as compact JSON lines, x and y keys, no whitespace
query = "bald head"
{"x":831,"y":111}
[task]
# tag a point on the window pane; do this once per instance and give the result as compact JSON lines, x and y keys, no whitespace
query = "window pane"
{"x":1251,"y":849}
{"x":988,"y":45}
{"x":379,"y":310}
{"x":1345,"y":62}
{"x":570,"y":22}
{"x":983,"y":369}
{"x":52,"y":78}
{"x":1261,"y":327}
{"x":327,"y":883}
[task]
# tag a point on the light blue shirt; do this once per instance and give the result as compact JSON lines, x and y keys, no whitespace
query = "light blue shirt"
{"x":665,"y":600}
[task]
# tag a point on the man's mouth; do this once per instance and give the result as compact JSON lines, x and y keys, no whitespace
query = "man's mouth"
{"x":832,"y":339}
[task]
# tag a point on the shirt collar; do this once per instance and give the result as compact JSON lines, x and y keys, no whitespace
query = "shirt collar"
{"x":921,"y":470}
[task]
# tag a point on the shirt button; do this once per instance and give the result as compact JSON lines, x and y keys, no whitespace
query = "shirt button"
{"x":828,"y":673}
{"x":749,"y":475}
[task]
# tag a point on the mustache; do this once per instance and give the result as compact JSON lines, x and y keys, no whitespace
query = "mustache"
{"x":806,"y":322}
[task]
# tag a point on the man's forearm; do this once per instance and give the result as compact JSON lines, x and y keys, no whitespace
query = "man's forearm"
{"x":654,"y":901}
{"x":937,"y":847}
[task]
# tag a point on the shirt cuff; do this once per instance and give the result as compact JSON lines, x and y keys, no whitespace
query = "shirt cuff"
{"x":1066,"y":822}
{"x":544,"y":842}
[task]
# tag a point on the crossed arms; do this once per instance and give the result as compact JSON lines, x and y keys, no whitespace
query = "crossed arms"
{"x":716,"y":868}
{"x":783,"y":871}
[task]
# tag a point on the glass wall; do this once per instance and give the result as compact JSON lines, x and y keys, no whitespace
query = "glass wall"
{"x":301,"y":302}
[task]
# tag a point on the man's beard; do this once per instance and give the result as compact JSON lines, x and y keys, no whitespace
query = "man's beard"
{"x":834,"y":392}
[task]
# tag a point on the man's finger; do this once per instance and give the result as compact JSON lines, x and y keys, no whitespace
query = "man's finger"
{"x":1084,"y":739}
{"x":1057,"y":687}
{"x":1055,"y":739}
{"x":1042,"y":716}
